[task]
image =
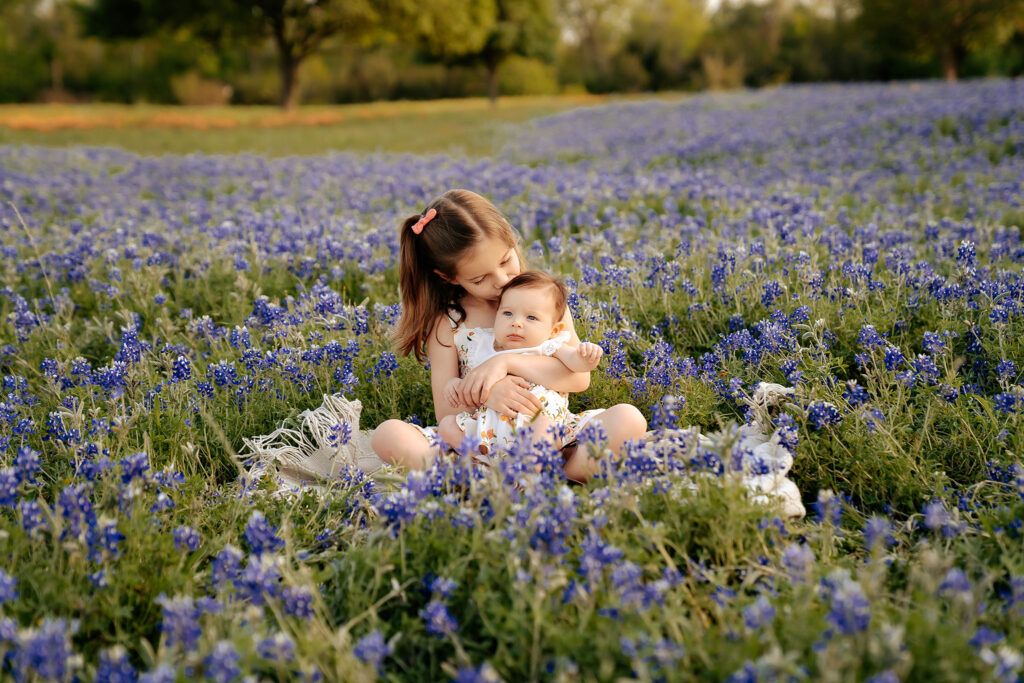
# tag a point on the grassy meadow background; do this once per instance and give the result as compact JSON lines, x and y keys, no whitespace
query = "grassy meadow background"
{"x":175,"y":281}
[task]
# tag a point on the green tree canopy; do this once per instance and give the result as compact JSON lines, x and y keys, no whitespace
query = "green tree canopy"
{"x":298,"y":28}
{"x":939,"y":29}
{"x":483,"y":31}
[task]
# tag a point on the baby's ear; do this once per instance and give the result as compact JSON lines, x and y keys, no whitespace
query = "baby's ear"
{"x":558,"y":328}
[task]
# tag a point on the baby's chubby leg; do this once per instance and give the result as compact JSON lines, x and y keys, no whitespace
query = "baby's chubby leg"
{"x":450,"y":432}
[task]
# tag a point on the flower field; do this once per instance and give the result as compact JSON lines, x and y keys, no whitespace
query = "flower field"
{"x":858,"y":243}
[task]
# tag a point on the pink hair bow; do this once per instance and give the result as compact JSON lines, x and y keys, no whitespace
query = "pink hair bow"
{"x":418,"y":226}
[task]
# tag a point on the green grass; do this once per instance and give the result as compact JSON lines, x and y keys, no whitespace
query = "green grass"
{"x":468,"y":127}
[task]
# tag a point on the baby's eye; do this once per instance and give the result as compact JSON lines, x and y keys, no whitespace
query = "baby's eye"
{"x":507,"y":314}
{"x":531,"y":317}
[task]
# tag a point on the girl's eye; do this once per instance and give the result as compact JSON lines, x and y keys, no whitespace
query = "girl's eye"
{"x":506,"y":260}
{"x":476,"y":282}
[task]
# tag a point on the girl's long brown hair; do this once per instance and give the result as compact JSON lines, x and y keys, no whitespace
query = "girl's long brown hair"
{"x":463,"y":220}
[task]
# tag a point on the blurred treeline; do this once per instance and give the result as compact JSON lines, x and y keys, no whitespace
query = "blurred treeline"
{"x":327,"y":51}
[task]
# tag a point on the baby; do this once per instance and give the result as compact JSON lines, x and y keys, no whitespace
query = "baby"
{"x":529,"y":320}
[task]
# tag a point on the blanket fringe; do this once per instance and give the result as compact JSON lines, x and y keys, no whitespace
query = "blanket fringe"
{"x":326,"y":440}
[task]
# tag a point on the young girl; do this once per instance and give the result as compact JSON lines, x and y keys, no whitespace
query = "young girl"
{"x":454,"y":260}
{"x":529,"y":321}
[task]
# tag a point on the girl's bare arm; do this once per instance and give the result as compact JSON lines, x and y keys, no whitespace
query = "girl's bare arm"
{"x":444,"y":367}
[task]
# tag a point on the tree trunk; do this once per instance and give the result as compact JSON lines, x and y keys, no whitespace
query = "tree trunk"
{"x":492,"y":84}
{"x":952,"y":56}
{"x":289,"y":82}
{"x":57,"y":74}
{"x":288,"y":61}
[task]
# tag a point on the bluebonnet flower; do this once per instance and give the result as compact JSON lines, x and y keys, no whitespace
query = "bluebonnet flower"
{"x":384,"y":367}
{"x":1006,"y":402}
{"x":983,"y":637}
{"x":74,"y":506}
{"x":966,"y":255}
{"x":849,"y":609}
{"x":925,"y":369}
{"x":829,"y":507}
{"x":181,"y":370}
{"x":595,"y":555}
{"x":260,"y":535}
{"x":893,"y":358}
{"x":180,"y":624}
{"x":44,"y":651}
{"x":277,"y":648}
{"x":259,"y":580}
{"x":185,"y":537}
{"x":8,"y":487}
{"x":787,"y":431}
{"x":937,"y":518}
{"x":933,"y":343}
{"x":134,"y":466}
{"x":759,"y":614}
{"x":955,"y":584}
{"x":114,"y":667}
{"x":27,"y":465}
{"x":438,"y":620}
{"x":484,"y":673}
{"x":822,"y":414}
{"x":163,"y":502}
{"x":8,"y":587}
{"x":887,"y":676}
{"x":33,"y":520}
{"x":373,"y":649}
{"x":878,"y":530}
{"x":868,"y":338}
{"x":855,"y":394}
{"x":798,"y":559}
{"x":664,"y":414}
{"x":442,"y":586}
{"x":298,"y":602}
{"x":747,"y":673}
{"x":104,"y":539}
{"x":221,"y":665}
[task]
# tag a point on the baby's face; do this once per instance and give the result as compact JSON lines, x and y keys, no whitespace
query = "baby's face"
{"x":525,"y":318}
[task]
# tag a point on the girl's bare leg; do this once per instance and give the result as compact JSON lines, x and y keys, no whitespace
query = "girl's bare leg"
{"x":400,"y":443}
{"x":622,"y":423}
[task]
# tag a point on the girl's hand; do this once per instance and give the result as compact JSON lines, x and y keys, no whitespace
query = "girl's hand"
{"x":512,"y":397}
{"x":476,"y":385}
{"x":451,"y":392}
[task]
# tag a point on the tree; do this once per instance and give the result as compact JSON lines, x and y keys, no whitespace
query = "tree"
{"x":298,"y":28}
{"x":592,"y":34}
{"x":666,"y":34}
{"x":942,"y":29}
{"x":481,"y":31}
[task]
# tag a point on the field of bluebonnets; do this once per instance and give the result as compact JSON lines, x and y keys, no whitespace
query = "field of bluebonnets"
{"x":861,"y":244}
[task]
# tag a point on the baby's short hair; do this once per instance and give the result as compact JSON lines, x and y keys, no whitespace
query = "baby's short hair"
{"x":538,"y":279}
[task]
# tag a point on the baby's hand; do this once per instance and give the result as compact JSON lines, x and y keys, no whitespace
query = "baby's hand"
{"x":451,"y":392}
{"x":590,"y":354}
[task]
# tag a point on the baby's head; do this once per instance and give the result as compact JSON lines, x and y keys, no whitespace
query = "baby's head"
{"x":530,"y":310}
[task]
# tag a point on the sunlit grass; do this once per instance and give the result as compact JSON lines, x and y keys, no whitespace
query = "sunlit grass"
{"x":463,"y":126}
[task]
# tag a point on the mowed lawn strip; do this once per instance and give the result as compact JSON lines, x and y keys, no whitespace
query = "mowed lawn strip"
{"x":465,"y":126}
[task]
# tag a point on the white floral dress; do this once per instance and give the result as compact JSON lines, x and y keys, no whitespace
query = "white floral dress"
{"x":497,"y":432}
